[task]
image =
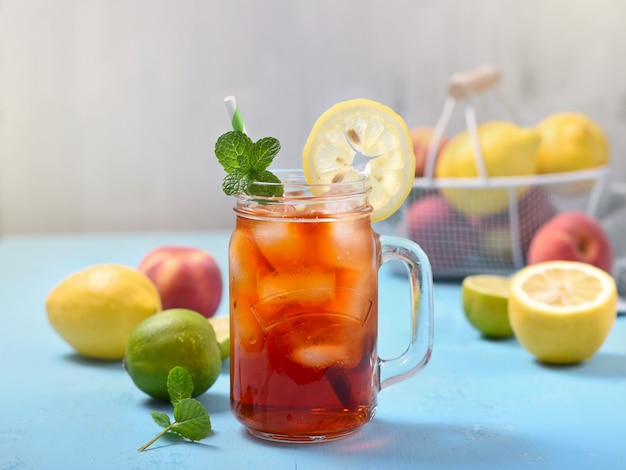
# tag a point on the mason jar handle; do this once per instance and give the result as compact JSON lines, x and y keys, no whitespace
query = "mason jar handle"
{"x":419,"y":350}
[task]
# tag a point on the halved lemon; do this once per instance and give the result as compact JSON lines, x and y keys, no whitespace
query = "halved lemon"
{"x":362,"y":136}
{"x":485,"y":300}
{"x":562,"y":311}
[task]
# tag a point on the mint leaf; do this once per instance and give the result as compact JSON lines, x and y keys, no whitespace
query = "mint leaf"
{"x":179,"y":384}
{"x":245,"y":162}
{"x":236,"y":182}
{"x":266,"y":190}
{"x":160,"y":418}
{"x":265,"y":150}
{"x":192,"y":419}
{"x":230,"y":146}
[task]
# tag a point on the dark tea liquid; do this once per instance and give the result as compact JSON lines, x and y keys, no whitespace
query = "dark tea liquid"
{"x":304,"y":313}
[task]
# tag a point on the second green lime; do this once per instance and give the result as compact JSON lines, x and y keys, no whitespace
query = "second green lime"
{"x":485,"y":303}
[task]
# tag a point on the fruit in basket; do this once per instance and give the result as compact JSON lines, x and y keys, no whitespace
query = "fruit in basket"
{"x":444,"y":234}
{"x":186,"y":277}
{"x":562,"y":311}
{"x":174,"y":337}
{"x":533,"y":209}
{"x":485,"y":300}
{"x":96,"y":309}
{"x":507,"y":150}
{"x":572,"y":236}
{"x":570,"y":142}
{"x":422,"y":137}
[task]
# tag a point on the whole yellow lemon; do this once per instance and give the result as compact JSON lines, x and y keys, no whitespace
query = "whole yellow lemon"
{"x":507,"y":150}
{"x":570,"y":142}
{"x":96,"y":309}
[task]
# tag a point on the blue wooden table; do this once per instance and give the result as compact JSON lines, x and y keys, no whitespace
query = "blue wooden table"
{"x":478,"y":404}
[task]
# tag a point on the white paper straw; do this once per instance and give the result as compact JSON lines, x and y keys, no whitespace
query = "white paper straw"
{"x":234,"y":114}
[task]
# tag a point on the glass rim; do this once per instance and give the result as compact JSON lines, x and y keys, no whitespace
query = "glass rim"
{"x":294,"y":183}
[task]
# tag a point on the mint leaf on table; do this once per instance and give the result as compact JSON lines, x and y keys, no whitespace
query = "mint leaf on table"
{"x":179,"y":384}
{"x":246,"y":162}
{"x":160,"y":418}
{"x":192,"y":420}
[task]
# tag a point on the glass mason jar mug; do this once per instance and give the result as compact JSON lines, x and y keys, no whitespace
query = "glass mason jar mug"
{"x":303,"y":280}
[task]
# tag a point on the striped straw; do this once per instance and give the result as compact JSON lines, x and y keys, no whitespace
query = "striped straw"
{"x":235,"y":115}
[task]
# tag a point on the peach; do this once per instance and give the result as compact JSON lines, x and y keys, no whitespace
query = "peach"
{"x":444,"y":234}
{"x":186,"y":277}
{"x":572,"y":236}
{"x":421,"y":138}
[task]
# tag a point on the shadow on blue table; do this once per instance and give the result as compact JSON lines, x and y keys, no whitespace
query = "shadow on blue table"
{"x":80,"y":360}
{"x":602,"y":365}
{"x":214,"y":402}
{"x":383,"y":444}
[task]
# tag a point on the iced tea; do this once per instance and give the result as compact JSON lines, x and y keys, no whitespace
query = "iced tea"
{"x":304,"y":318}
{"x":304,"y":313}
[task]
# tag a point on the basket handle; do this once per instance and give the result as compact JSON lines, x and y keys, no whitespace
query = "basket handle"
{"x":461,"y":86}
{"x":473,"y":81}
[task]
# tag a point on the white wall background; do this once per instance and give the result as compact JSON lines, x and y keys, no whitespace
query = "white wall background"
{"x":109,"y":109}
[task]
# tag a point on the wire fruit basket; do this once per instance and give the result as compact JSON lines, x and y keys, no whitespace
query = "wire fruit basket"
{"x":468,"y":242}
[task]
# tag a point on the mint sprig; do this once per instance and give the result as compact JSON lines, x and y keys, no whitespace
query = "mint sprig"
{"x":191,"y":419}
{"x":247,"y":162}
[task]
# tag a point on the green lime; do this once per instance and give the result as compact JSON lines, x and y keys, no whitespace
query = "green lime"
{"x":485,"y":301}
{"x":221,"y":325}
{"x":174,"y":337}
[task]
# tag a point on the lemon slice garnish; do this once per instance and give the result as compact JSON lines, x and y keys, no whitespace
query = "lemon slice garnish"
{"x":562,"y":311}
{"x":363,"y":137}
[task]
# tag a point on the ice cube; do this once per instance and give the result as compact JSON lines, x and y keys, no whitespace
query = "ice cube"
{"x":276,"y":210}
{"x":284,"y":295}
{"x":347,"y":244}
{"x":247,"y":332}
{"x":285,"y":244}
{"x":355,"y":293}
{"x":322,"y":356}
{"x":245,"y":263}
{"x":321,"y":340}
{"x":297,"y":286}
